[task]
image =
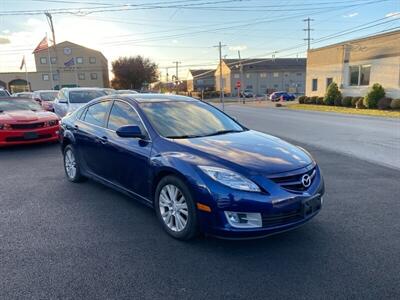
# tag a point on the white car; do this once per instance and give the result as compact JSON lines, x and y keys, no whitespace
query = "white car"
{"x":70,"y":99}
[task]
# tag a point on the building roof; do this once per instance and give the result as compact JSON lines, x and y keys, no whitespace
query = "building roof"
{"x":202,"y":72}
{"x":267,"y":63}
{"x":365,"y":38}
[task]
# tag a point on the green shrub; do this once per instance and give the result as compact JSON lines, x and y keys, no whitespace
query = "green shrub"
{"x":384,"y":103}
{"x":332,"y":94}
{"x":360,"y":103}
{"x":347,"y":101}
{"x":313,"y":100}
{"x":320,"y":101}
{"x":302,"y":99}
{"x":376,"y":93}
{"x":338,"y":102}
{"x":395,"y":104}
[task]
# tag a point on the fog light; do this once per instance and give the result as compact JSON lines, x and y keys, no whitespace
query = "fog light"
{"x":243,"y":220}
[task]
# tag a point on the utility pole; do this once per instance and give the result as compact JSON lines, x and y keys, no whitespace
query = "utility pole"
{"x":53,"y":34}
{"x":176,"y":74}
{"x":166,"y":74}
{"x":308,"y":30}
{"x":221,"y":81}
{"x":240,"y":77}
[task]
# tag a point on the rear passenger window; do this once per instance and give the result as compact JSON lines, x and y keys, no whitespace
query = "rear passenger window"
{"x":123,"y":114}
{"x":96,"y":114}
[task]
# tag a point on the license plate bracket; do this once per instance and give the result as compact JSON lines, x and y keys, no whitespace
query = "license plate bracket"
{"x":311,"y":205}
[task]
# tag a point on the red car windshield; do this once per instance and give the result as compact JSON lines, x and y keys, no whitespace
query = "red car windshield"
{"x":19,"y":104}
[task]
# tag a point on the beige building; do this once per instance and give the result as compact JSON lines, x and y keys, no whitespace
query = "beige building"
{"x":356,"y":65}
{"x":65,"y":65}
{"x":263,"y":75}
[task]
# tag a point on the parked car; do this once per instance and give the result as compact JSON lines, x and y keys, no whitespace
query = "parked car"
{"x":109,"y":91}
{"x":23,"y":121}
{"x":247,"y":93}
{"x":70,"y":99}
{"x":23,"y":95}
{"x":45,"y":98}
{"x":120,"y":92}
{"x":285,"y":96}
{"x":4,"y":93}
{"x":196,"y":166}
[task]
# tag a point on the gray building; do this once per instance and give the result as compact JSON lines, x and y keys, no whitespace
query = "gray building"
{"x":198,"y":80}
{"x":263,"y":75}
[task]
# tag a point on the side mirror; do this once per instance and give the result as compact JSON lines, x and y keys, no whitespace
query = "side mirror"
{"x":130,"y":131}
{"x":62,"y":100}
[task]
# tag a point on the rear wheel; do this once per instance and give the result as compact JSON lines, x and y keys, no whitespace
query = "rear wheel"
{"x":71,"y":166}
{"x":175,"y":208}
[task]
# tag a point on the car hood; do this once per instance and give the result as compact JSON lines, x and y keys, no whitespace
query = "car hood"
{"x":251,"y":151}
{"x":26,"y":116}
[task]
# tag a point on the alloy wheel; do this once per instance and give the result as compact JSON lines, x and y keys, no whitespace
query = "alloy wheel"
{"x":70,"y":164}
{"x":173,"y":208}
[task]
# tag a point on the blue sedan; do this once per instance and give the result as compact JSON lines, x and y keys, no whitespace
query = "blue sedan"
{"x":199,"y":169}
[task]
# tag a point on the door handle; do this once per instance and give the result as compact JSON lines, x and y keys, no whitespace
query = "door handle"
{"x":103,"y":140}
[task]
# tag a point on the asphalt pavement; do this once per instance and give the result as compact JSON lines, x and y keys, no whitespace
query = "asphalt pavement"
{"x":86,"y":241}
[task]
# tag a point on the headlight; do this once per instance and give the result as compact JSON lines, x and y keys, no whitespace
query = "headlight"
{"x":230,"y":178}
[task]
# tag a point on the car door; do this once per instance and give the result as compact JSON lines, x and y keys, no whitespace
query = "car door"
{"x":91,"y":136}
{"x":129,"y":156}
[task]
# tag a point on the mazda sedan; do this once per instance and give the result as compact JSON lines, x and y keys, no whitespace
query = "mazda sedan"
{"x":197,"y":167}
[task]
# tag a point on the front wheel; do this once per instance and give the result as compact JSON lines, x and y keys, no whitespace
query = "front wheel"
{"x":175,"y":208}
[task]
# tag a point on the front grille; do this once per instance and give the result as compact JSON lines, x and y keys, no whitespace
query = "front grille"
{"x":27,"y":126}
{"x":271,"y":220}
{"x":293,"y":183}
{"x":22,"y":138}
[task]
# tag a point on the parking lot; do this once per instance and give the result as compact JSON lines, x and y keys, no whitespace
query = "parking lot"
{"x":64,"y":240}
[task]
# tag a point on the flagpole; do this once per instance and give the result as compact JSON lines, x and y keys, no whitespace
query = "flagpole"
{"x":51,"y":68}
{"x":26,"y":76}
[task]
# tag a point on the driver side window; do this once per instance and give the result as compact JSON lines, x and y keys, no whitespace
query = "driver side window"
{"x":123,"y":114}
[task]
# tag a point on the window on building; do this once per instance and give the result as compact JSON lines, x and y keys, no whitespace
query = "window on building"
{"x":286,"y":74}
{"x":43,"y":60}
{"x":329,"y":80}
{"x":263,"y":75}
{"x":93,"y":76}
{"x":276,"y":86}
{"x":45,"y":77}
{"x":79,"y":60}
{"x":299,"y":74}
{"x":315,"y":84}
{"x":81,"y":76}
{"x":92,"y":60}
{"x":248,"y":75}
{"x":53,"y":60}
{"x":360,"y":75}
{"x":236,"y":76}
{"x":200,"y":81}
{"x":276,"y":74}
{"x":56,"y":77}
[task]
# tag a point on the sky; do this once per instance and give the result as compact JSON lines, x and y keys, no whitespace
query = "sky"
{"x":188,"y":30}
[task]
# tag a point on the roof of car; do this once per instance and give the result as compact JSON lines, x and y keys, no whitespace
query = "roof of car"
{"x":156,"y":98}
{"x":45,"y":91}
{"x":83,"y":89}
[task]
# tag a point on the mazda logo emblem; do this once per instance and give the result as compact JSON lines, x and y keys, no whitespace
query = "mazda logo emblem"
{"x":306,"y":180}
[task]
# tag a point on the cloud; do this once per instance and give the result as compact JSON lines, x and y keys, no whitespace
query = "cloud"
{"x":394,"y":14}
{"x":4,"y":41}
{"x":238,"y":47}
{"x":352,"y":15}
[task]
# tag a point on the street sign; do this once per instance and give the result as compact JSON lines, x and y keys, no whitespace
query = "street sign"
{"x":238,"y":84}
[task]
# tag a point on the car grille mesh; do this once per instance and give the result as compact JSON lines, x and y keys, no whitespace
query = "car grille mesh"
{"x":271,"y":220}
{"x":21,"y":138}
{"x":293,"y":183}
{"x":27,"y":126}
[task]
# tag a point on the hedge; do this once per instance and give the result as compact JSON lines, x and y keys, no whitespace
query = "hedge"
{"x":395,"y":104}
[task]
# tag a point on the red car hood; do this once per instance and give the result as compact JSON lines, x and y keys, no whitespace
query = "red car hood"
{"x":17,"y":116}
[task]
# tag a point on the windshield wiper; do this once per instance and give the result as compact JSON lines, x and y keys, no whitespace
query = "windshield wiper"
{"x":182,"y":136}
{"x":224,"y":132}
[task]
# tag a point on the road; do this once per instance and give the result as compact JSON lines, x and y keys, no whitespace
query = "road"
{"x":369,"y":138}
{"x":82,"y":241}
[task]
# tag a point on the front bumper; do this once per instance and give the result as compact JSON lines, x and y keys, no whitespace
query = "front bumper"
{"x":26,"y":136}
{"x":280,"y":210}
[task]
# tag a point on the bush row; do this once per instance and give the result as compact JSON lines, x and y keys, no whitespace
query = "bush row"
{"x":374,"y":99}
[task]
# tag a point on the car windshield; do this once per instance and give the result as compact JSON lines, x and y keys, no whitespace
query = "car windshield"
{"x":84,"y":96}
{"x":48,"y":96}
{"x":188,"y":119}
{"x":19,"y":104}
{"x":3,"y":94}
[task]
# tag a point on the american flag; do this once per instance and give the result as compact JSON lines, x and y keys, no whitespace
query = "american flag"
{"x":42,"y":45}
{"x":69,"y":63}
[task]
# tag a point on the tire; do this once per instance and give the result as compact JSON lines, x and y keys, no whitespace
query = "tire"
{"x":172,"y":217}
{"x":73,"y":176}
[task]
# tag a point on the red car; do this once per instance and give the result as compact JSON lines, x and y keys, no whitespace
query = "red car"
{"x":23,"y":121}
